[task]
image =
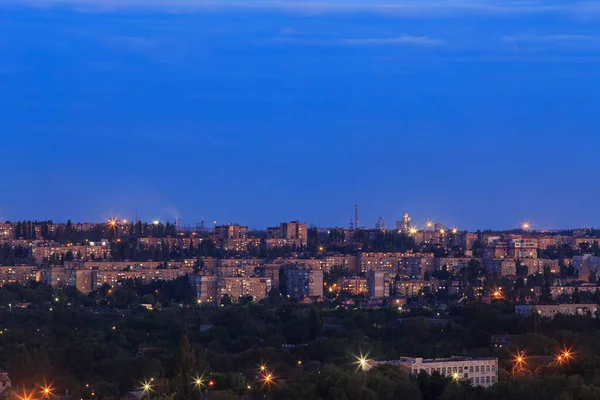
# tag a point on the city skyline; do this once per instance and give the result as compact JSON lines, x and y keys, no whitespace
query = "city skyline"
{"x":424,"y":224}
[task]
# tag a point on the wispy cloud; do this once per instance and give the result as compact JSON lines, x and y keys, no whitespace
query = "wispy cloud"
{"x":549,"y":38}
{"x":400,"y":40}
{"x":397,"y":7}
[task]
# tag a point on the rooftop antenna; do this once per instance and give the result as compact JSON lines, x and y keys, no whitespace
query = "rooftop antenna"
{"x":356,"y":217}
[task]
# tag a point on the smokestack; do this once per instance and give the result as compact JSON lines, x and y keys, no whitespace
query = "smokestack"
{"x":356,"y":217}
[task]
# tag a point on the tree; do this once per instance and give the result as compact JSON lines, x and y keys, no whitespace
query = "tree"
{"x":226,"y":300}
{"x":315,"y":322}
{"x":186,"y":370}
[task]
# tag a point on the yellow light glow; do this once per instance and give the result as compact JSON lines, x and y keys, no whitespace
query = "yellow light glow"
{"x":455,"y":376}
{"x":363,"y":362}
{"x":413,"y":231}
{"x":442,"y":231}
{"x":25,"y":396}
{"x":198,"y":382}
{"x":147,"y":386}
{"x":454,"y":230}
{"x":429,"y":224}
{"x":47,"y":390}
{"x":156,"y":222}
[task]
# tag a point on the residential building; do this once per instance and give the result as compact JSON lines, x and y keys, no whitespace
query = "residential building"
{"x":18,"y":274}
{"x":557,"y":291}
{"x":378,"y":284}
{"x":235,"y":287}
{"x":206,"y":287}
{"x":304,"y":282}
{"x":354,"y":284}
{"x":552,"y":310}
{"x":478,"y":371}
{"x":413,"y":288}
{"x":417,"y":267}
{"x":586,"y":265}
{"x":6,"y":231}
{"x":233,"y":231}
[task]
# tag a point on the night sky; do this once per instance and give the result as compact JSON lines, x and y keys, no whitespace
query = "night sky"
{"x":477,"y":114}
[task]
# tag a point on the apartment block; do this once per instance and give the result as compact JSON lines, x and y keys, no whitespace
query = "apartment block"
{"x":378,"y":284}
{"x":478,"y":371}
{"x":304,"y":282}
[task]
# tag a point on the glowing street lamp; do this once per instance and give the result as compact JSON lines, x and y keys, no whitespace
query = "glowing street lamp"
{"x":25,"y":396}
{"x":413,"y":231}
{"x":198,"y":382}
{"x":565,"y":355}
{"x":147,"y":386}
{"x":519,"y":360}
{"x":262,"y":367}
{"x":268,"y":380}
{"x":525,"y":225}
{"x":362,"y":362}
{"x":47,"y":391}
{"x":455,"y":376}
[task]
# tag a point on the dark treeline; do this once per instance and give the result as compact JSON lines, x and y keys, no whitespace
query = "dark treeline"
{"x":107,"y":344}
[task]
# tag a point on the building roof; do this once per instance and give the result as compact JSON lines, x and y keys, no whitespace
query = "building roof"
{"x":139,"y":394}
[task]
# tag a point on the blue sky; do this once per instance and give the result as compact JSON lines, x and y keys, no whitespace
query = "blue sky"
{"x":473,"y":113}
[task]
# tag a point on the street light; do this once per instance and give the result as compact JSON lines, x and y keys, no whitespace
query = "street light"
{"x":519,"y":361}
{"x":147,"y":386}
{"x":268,"y":380}
{"x":25,"y":396}
{"x":565,"y":355}
{"x":198,"y":382}
{"x":47,"y":391}
{"x":362,"y":362}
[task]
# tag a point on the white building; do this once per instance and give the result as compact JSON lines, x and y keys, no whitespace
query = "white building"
{"x":552,"y":310}
{"x":479,"y":371}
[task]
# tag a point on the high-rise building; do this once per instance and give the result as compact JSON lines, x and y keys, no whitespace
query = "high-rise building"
{"x":405,"y":225}
{"x":289,"y":233}
{"x":378,"y":284}
{"x":304,"y":282}
{"x":233,"y":231}
{"x":206,"y":287}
